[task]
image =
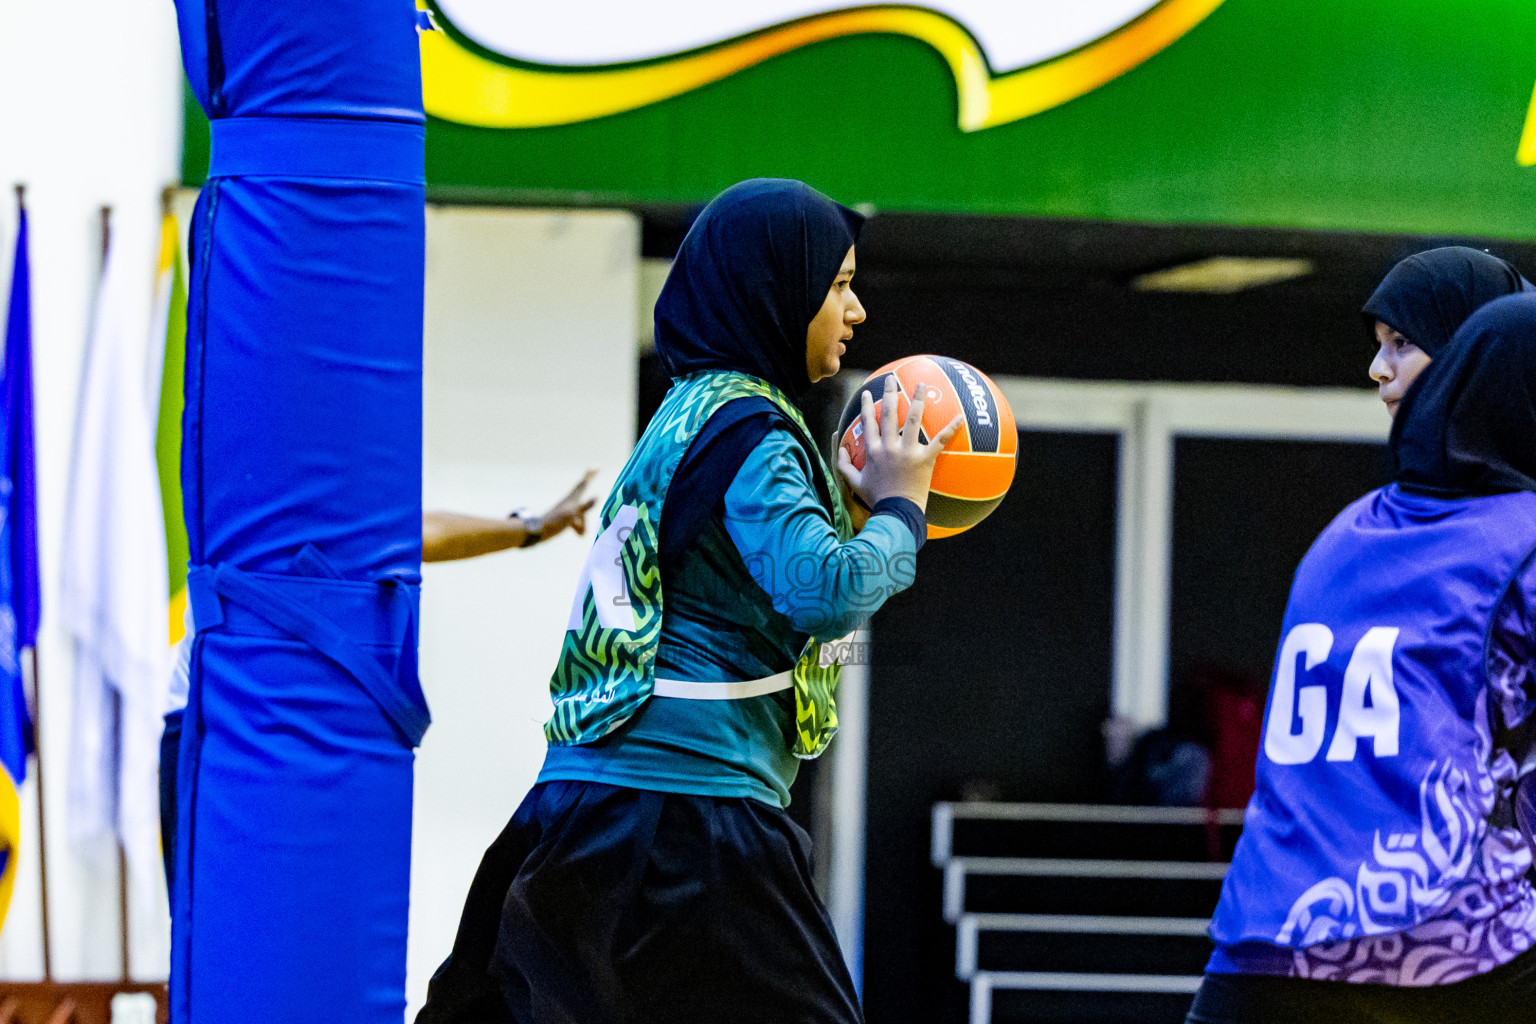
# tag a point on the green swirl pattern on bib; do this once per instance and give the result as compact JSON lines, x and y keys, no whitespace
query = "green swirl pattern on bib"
{"x":607,"y":662}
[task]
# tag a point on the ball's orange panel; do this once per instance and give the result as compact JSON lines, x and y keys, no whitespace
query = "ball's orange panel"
{"x":853,"y":441}
{"x":888,"y":368}
{"x":972,"y":474}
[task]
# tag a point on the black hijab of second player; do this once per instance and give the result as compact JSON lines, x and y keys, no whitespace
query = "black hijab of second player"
{"x":1467,"y":427}
{"x":1427,"y":296}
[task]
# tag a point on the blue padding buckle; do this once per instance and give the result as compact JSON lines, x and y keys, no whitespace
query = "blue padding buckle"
{"x":312,"y":147}
{"x":256,"y":604}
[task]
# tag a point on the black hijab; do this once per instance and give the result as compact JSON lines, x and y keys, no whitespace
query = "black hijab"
{"x":749,"y":278}
{"x":1467,"y":427}
{"x":1427,"y":296}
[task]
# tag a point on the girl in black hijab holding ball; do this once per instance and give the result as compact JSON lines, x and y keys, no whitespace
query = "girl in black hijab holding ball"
{"x":652,"y":874}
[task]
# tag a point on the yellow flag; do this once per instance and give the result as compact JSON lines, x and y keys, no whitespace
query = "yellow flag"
{"x":171,"y":319}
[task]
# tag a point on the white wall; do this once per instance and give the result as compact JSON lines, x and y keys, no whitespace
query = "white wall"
{"x":90,"y":114}
{"x":529,"y":381}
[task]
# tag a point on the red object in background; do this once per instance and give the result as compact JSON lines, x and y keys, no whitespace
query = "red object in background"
{"x":1236,"y":714}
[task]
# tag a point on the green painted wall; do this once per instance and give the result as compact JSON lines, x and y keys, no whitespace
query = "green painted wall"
{"x":1346,"y":114}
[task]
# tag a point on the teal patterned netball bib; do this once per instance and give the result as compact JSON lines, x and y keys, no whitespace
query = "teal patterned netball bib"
{"x":606,"y":666}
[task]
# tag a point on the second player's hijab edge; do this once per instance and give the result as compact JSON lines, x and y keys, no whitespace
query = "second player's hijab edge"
{"x":1436,"y":459}
{"x":710,"y":315}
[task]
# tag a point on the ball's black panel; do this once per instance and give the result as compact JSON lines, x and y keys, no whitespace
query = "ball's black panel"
{"x":951,"y":513}
{"x":981,"y":413}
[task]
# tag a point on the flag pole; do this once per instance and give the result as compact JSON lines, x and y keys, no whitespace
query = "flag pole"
{"x":122,"y":859}
{"x":37,"y":749}
{"x":42,"y":831}
{"x":122,"y":905}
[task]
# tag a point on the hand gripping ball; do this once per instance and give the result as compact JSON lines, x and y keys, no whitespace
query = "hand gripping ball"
{"x":974,"y":471}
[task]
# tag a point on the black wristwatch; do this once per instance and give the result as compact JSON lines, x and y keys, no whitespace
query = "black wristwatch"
{"x":533,"y":528}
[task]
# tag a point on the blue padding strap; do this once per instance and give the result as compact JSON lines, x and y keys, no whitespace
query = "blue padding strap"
{"x":311,"y":147}
{"x":382,"y":614}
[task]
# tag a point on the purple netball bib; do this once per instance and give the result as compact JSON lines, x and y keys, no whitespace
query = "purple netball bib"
{"x":1373,"y":795}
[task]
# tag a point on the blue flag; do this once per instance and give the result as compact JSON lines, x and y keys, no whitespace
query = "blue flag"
{"x":16,"y":401}
{"x":16,"y":509}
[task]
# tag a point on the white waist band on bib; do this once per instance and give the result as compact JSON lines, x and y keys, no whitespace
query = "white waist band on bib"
{"x":723,"y":691}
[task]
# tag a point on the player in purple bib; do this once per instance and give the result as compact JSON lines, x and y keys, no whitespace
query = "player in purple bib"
{"x":1382,"y":874}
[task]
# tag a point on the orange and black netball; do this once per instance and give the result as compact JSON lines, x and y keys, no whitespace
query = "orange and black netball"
{"x":975,"y":470}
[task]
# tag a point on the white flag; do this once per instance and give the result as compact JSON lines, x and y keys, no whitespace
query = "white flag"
{"x":113,"y":592}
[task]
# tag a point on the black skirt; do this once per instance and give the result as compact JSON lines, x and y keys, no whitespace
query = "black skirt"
{"x":601,"y":905}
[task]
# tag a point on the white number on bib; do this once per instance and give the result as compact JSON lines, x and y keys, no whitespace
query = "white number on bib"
{"x":604,"y":577}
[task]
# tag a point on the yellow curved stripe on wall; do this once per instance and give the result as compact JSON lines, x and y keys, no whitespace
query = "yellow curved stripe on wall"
{"x":462,"y":86}
{"x":1023,"y":93}
{"x":1525,"y":154}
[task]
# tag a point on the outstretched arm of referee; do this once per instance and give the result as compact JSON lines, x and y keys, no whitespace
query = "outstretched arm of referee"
{"x":446,"y":536}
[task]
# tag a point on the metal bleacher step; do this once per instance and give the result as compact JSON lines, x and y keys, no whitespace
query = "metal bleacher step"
{"x":1080,"y":914}
{"x":1003,"y":884}
{"x":1079,"y":831}
{"x":1113,"y":944}
{"x":1037,"y":997}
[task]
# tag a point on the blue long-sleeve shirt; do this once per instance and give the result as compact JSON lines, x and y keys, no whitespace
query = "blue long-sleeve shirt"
{"x":739,"y":605}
